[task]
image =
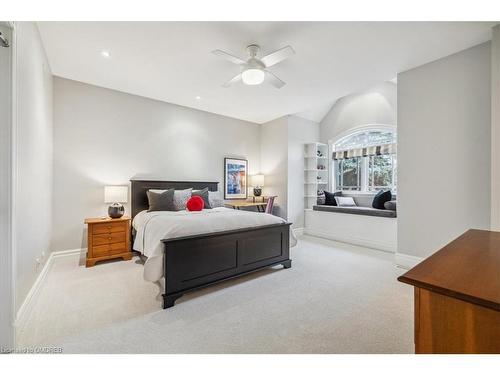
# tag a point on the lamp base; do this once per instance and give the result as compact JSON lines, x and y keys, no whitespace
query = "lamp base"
{"x":257,"y":191}
{"x":116,"y":211}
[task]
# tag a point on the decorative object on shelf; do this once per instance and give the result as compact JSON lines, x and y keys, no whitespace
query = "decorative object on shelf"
{"x":316,"y":173}
{"x":257,"y":181}
{"x":235,"y":178}
{"x":116,"y":195}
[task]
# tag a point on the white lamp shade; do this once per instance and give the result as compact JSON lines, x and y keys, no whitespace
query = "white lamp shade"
{"x":115,"y":194}
{"x":258,"y":180}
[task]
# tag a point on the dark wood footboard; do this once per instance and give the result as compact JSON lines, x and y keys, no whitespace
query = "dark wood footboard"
{"x":197,"y":261}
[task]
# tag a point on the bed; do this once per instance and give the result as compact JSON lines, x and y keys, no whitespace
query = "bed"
{"x":192,"y":250}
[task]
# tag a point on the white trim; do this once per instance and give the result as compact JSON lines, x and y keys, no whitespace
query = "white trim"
{"x":406,"y":261}
{"x":495,"y":128}
{"x":65,"y":253}
{"x":26,"y":308}
{"x":377,"y":245}
{"x":298,"y":232}
{"x":7,"y":268}
{"x":14,"y":137}
{"x":361,"y":129}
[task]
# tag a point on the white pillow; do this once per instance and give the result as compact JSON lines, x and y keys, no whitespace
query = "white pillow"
{"x":345,"y":202}
{"x":215,"y":199}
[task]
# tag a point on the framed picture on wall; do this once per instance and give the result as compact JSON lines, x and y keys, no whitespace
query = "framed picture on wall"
{"x":235,"y":178}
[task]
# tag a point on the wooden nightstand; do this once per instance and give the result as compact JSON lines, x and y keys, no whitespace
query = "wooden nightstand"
{"x":108,"y":239}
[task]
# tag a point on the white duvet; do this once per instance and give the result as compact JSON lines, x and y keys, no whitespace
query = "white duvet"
{"x":152,"y":227}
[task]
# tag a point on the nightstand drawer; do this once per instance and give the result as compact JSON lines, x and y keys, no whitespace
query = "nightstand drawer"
{"x":110,"y":249}
{"x":109,"y":228}
{"x":102,"y":239}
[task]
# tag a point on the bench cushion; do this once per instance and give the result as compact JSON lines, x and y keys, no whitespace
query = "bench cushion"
{"x":359,"y":210}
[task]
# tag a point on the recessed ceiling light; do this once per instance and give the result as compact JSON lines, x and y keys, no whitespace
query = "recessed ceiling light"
{"x":198,"y":97}
{"x":105,"y":54}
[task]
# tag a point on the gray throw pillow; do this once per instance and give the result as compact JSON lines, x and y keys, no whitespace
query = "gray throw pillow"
{"x":181,"y":197}
{"x":215,"y":199}
{"x":161,"y":201}
{"x":204,"y":195}
{"x":390,"y":205}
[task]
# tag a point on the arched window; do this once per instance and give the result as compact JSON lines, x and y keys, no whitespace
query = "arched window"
{"x":365,"y":161}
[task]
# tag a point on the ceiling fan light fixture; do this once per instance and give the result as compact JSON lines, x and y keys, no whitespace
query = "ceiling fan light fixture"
{"x":253,"y":76}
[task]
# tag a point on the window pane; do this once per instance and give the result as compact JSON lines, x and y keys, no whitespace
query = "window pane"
{"x":395,"y":172}
{"x":348,"y":176}
{"x":380,"y":172}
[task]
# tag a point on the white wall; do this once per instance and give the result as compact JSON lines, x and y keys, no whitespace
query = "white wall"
{"x":33,"y":157}
{"x":106,"y":137}
{"x":282,"y":163}
{"x":300,"y":132}
{"x":6,"y":256}
{"x":443,"y":150}
{"x":274,"y":162}
{"x":376,"y":105}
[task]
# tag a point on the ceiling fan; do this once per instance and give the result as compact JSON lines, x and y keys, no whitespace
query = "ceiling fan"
{"x":254,"y":70}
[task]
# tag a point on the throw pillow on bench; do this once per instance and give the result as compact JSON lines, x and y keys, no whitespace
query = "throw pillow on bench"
{"x":380,"y":198}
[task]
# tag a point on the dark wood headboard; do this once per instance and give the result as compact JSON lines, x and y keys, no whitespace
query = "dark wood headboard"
{"x":140,"y":187}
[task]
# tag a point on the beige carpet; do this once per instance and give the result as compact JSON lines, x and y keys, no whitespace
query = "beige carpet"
{"x":336,"y":298}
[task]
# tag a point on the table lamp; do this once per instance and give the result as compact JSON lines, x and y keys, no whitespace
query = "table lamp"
{"x":257,"y":183}
{"x":115,"y":195}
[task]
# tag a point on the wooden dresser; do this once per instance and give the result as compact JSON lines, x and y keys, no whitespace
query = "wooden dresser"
{"x":108,"y":239}
{"x":457,"y":296}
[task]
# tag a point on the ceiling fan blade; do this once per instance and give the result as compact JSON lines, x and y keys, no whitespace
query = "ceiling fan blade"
{"x":233,"y":80}
{"x":229,"y":57}
{"x":277,"y":56}
{"x":273,"y":80}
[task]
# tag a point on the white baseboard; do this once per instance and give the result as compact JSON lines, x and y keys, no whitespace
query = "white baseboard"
{"x":378,"y":245}
{"x":406,"y":261}
{"x":298,"y":232}
{"x":65,"y":253}
{"x":27,"y":306}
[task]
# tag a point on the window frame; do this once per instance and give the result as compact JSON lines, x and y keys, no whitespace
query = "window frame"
{"x":364,"y":163}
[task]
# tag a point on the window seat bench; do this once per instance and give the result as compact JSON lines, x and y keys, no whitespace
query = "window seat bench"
{"x":361,"y":225}
{"x":358,"y":210}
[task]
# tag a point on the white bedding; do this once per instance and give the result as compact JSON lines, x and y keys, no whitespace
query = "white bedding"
{"x":152,"y":227}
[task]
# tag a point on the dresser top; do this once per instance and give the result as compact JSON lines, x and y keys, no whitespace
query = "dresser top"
{"x":468,"y":268}
{"x":96,"y":220}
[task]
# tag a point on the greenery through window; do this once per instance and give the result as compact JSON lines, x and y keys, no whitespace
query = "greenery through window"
{"x":369,"y":173}
{"x":348,"y":176}
{"x":381,"y":172}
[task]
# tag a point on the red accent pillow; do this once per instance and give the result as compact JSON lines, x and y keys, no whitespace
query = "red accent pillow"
{"x":195,"y":203}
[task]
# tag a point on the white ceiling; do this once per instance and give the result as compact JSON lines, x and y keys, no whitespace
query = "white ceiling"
{"x":171,"y":61}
